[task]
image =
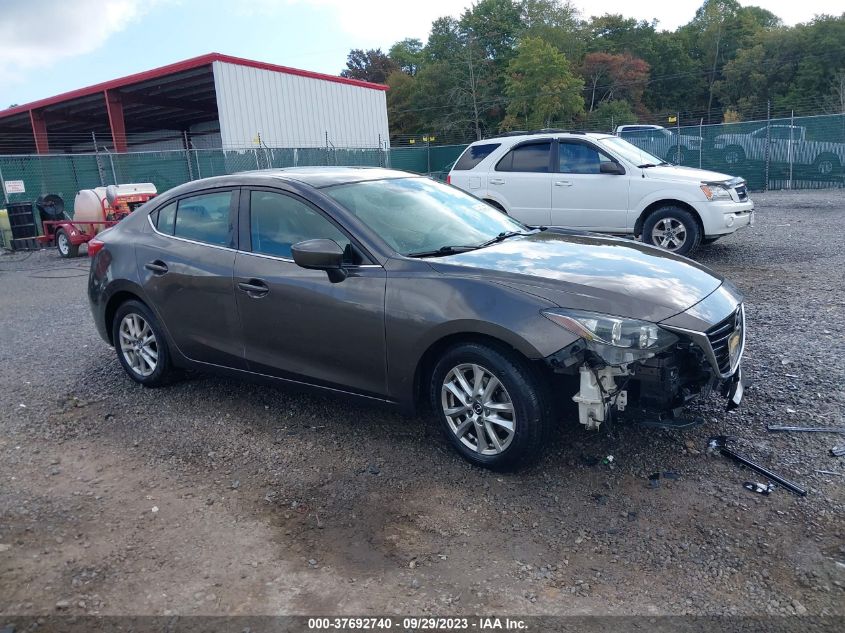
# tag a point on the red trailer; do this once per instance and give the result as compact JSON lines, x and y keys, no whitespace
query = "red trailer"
{"x":95,"y":210}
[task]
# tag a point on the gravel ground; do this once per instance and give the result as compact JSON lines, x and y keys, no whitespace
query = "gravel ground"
{"x":218,"y":497}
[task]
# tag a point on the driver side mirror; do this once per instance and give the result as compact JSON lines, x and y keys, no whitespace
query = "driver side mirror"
{"x":611,"y":168}
{"x":320,"y":254}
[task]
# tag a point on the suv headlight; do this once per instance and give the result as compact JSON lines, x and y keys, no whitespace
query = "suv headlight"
{"x":616,"y":340}
{"x":713,"y":191}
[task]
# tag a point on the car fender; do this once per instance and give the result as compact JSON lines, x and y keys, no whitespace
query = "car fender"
{"x":669,"y":195}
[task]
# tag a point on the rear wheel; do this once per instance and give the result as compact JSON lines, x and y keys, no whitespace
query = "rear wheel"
{"x":827,"y":165}
{"x":491,"y":405}
{"x":64,"y":246}
{"x":140,"y":344}
{"x":673,"y":229}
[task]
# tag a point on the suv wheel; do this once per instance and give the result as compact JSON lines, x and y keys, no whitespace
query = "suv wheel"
{"x":673,"y":229}
{"x":140,"y":344}
{"x":826,"y":165}
{"x":676,"y":156}
{"x":491,"y":405}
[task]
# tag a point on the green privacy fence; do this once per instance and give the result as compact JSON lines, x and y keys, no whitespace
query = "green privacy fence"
{"x":68,"y":173}
{"x":786,"y":153}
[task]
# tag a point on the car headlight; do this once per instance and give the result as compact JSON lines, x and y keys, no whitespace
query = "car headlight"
{"x":616,"y":340}
{"x":715,"y":192}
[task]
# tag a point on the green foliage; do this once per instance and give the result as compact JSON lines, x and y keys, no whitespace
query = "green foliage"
{"x":506,"y":63}
{"x":541,"y":87}
{"x":609,"y":114}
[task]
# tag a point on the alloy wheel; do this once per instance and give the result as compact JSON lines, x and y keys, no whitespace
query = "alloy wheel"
{"x":669,"y":233}
{"x":138,"y":344}
{"x":478,"y":409}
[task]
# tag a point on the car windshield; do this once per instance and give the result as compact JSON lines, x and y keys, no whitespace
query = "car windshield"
{"x":629,"y":152}
{"x":418,"y":216}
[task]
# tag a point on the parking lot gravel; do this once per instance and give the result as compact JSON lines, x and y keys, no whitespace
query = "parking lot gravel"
{"x":218,"y":497}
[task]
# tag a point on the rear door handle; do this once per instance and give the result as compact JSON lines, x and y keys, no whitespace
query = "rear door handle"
{"x":254,"y":288}
{"x":497,"y":181}
{"x":563,"y":183}
{"x":157,"y":267}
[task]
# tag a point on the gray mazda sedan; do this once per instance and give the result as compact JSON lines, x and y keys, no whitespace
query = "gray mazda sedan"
{"x":394,"y":288}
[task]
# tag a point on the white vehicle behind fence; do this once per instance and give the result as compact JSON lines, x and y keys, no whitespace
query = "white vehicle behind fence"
{"x":787,"y":144}
{"x":657,"y":140}
{"x":602,"y":183}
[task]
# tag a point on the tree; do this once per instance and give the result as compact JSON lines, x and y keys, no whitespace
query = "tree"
{"x":610,"y":114}
{"x":408,"y":55}
{"x":540,"y":86}
{"x":372,"y":65}
{"x":555,"y":22}
{"x":610,"y":76}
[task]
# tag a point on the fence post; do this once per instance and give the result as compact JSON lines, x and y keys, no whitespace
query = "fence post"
{"x":791,"y":128}
{"x":3,"y":185}
{"x":188,"y":155}
{"x":100,"y":169}
{"x":768,"y":142}
{"x":678,"y":138}
{"x":197,"y":157}
{"x":701,"y":142}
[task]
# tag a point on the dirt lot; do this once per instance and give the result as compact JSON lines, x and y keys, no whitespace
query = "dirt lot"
{"x":216,"y":497}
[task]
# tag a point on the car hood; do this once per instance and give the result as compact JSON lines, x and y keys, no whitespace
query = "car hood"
{"x":590,"y":272}
{"x":688,"y":174}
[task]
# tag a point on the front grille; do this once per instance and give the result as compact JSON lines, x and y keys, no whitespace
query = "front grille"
{"x":742,"y":193}
{"x":718,"y":336}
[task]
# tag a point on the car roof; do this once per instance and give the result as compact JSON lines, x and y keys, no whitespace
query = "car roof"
{"x":541,"y":136}
{"x":318,"y":177}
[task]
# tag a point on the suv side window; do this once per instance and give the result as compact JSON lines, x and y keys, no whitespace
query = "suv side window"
{"x":474,"y":155}
{"x":531,"y":157}
{"x":579,"y":158}
{"x":278,"y":221}
{"x":204,"y":218}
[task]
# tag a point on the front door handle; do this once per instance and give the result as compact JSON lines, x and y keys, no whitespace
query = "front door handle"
{"x":497,"y":181}
{"x":157,"y":267}
{"x":563,"y":183}
{"x":254,"y":288}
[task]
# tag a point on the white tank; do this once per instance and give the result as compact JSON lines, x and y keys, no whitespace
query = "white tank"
{"x":91,"y":205}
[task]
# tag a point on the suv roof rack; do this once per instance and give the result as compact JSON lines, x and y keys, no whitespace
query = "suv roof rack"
{"x":546,"y":130}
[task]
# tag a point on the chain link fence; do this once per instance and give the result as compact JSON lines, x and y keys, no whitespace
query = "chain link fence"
{"x":784,"y":153}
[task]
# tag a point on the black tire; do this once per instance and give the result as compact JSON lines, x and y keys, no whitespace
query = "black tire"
{"x":827,"y":166}
{"x":676,"y":156}
{"x":734,"y":156}
{"x":163,"y":369}
{"x":667,"y":217}
{"x":64,"y":246}
{"x":523,"y":387}
{"x":496,"y":205}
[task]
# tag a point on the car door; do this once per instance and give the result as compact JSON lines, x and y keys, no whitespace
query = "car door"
{"x":186,"y":269}
{"x":296,"y":323}
{"x":521,"y":180}
{"x":582,"y":196}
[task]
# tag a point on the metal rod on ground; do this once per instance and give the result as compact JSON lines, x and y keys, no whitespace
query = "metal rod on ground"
{"x":806,"y":429}
{"x":719,"y":443}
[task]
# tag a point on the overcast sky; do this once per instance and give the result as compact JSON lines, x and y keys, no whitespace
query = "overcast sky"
{"x":52,"y":46}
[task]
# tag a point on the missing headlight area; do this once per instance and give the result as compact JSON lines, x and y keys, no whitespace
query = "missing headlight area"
{"x":655,"y":388}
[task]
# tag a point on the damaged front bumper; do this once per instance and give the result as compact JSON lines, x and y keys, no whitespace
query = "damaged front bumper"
{"x":705,"y":359}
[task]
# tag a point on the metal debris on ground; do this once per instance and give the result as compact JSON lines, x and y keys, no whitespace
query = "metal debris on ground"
{"x":755,"y":486}
{"x":806,"y":429}
{"x":830,"y":472}
{"x":719,"y":443}
{"x":838,"y":451}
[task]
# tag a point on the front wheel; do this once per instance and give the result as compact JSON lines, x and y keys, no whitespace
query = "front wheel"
{"x":827,"y":165}
{"x":64,"y":246}
{"x":140,"y":344}
{"x":673,"y":229}
{"x":491,"y":405}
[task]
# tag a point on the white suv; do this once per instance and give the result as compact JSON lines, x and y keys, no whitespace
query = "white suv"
{"x":600,"y":182}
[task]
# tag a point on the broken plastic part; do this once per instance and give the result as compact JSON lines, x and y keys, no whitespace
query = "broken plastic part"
{"x":763,"y":489}
{"x":596,"y":394}
{"x":719,"y":443}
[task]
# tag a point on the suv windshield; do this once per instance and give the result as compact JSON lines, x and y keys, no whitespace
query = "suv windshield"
{"x":629,"y":152}
{"x":418,"y":215}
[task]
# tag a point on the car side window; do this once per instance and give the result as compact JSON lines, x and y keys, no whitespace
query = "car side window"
{"x":531,"y":157}
{"x":278,"y":221}
{"x":165,"y":218}
{"x":579,"y":158}
{"x":474,"y":155}
{"x":204,"y":218}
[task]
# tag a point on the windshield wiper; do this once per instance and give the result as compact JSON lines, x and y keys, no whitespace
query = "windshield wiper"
{"x":443,"y":250}
{"x":647,"y":165}
{"x":501,"y":237}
